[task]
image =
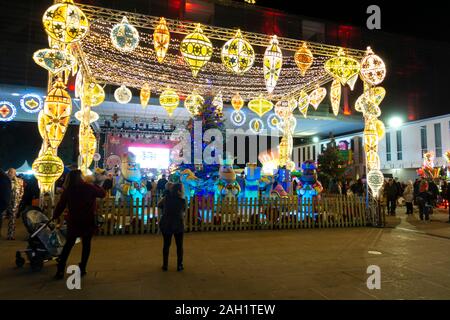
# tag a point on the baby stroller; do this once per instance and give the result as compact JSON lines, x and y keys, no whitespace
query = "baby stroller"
{"x":45,"y":242}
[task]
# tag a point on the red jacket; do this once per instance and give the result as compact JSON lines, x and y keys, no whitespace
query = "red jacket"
{"x":81,"y":202}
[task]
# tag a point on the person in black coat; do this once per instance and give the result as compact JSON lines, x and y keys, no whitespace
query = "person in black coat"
{"x":173,"y":207}
{"x":392,"y":194}
{"x":5,"y":194}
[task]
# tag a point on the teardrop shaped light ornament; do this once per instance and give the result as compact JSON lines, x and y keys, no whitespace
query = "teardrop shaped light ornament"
{"x":237,"y":102}
{"x":303,"y":58}
{"x":237,"y":54}
{"x":260,"y":106}
{"x":124,"y":36}
{"x":144,"y":95}
{"x":303,"y":103}
{"x":316,"y":97}
{"x":123,"y":95}
{"x":352,"y":81}
{"x":342,"y":67}
{"x":373,"y":69}
{"x":93,"y":94}
{"x":193,"y":103}
{"x":54,"y":60}
{"x":273,"y":60}
{"x":169,"y":100}
{"x":335,"y":96}
{"x":161,"y":39}
{"x":375,"y":95}
{"x":218,"y":104}
{"x":196,"y":49}
{"x":256,"y":125}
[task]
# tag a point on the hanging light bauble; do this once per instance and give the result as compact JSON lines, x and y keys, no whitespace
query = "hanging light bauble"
{"x":273,"y":60}
{"x":93,"y":116}
{"x":237,"y":54}
{"x":273,"y":121}
{"x":65,"y":22}
{"x":56,"y":113}
{"x":47,"y":169}
{"x":145,"y":95}
{"x":317,"y":96}
{"x":373,"y":69}
{"x":256,"y":125}
{"x":373,"y":95}
{"x":7,"y":111}
{"x":87,"y":148}
{"x":93,"y":94}
{"x":335,"y":96}
{"x":260,"y":106}
{"x":238,"y":118}
{"x":123,"y":95}
{"x":193,"y":103}
{"x":161,"y":39}
{"x":196,"y":49}
{"x":283,"y":109}
{"x":237,"y":102}
{"x":342,"y":67}
{"x":303,"y":58}
{"x":375,"y":180}
{"x":169,"y":100}
{"x":303,"y":103}
{"x":218,"y":104}
{"x":54,"y":60}
{"x":124,"y":36}
{"x":31,"y":103}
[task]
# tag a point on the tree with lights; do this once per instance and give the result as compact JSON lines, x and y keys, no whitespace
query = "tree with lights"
{"x":330,"y":164}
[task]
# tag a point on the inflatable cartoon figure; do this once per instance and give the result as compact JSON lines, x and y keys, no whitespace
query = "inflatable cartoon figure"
{"x":130,"y":184}
{"x":252,"y":177}
{"x":309,"y":187}
{"x":226,"y":187}
{"x":283,"y":177}
{"x":265,"y":185}
{"x":190,"y":183}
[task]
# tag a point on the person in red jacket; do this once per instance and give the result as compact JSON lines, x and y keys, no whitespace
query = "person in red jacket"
{"x":80,"y":198}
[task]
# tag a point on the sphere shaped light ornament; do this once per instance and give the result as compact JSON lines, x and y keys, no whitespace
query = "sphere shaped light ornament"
{"x":56,"y":115}
{"x":124,"y":36}
{"x":169,"y":100}
{"x":303,"y":103}
{"x":145,"y":95}
{"x":196,"y":49}
{"x":218,"y":104}
{"x":93,"y":116}
{"x":47,"y":169}
{"x":335,"y":96}
{"x":317,"y":96}
{"x":342,"y":67}
{"x":237,"y":54}
{"x":31,"y":103}
{"x":273,"y":60}
{"x":256,"y":125}
{"x":373,"y":69}
{"x":237,"y":102}
{"x":54,"y":60}
{"x":65,"y":22}
{"x":123,"y":95}
{"x":161,"y":39}
{"x":303,"y":58}
{"x":238,"y":118}
{"x":193,"y":103}
{"x":260,"y":106}
{"x":375,"y":180}
{"x":93,"y":94}
{"x":7,"y":111}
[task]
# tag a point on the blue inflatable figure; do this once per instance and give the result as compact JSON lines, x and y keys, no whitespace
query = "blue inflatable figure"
{"x":309,"y":187}
{"x":252,"y":177}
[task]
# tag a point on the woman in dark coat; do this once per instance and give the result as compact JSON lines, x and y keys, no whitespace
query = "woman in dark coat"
{"x":80,"y":198}
{"x":172,"y":206}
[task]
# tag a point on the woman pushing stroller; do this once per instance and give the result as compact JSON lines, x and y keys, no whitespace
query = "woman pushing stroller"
{"x":80,"y":198}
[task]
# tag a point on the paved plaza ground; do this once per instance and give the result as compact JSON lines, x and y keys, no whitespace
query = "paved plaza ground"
{"x":288,"y":264}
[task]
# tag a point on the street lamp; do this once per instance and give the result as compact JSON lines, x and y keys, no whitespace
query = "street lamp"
{"x":395,"y":122}
{"x":315,"y":139}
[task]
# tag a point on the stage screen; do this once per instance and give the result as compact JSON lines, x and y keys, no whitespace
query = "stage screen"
{"x":151,"y":157}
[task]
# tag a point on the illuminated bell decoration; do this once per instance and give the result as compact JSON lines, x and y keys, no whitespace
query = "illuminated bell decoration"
{"x":303,"y":103}
{"x":93,"y":116}
{"x":57,"y":111}
{"x":93,"y":94}
{"x":260,"y":106}
{"x":7,"y":111}
{"x":256,"y":125}
{"x":375,"y":180}
{"x":303,"y":58}
{"x":47,"y":169}
{"x":196,"y":49}
{"x":145,"y":95}
{"x":238,"y":118}
{"x":54,"y":60}
{"x":335,"y":96}
{"x":169,"y":100}
{"x":65,"y":22}
{"x":273,"y":60}
{"x":316,"y":97}
{"x":193,"y":103}
{"x":273,"y":121}
{"x":341,"y":67}
{"x":124,"y":36}
{"x":123,"y":94}
{"x":161,"y":39}
{"x":237,"y":54}
{"x":237,"y":102}
{"x":218,"y":104}
{"x":373,"y":69}
{"x":31,"y":103}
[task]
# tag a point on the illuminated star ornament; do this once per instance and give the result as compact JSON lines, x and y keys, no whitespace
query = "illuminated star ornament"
{"x":7,"y":111}
{"x":31,"y":103}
